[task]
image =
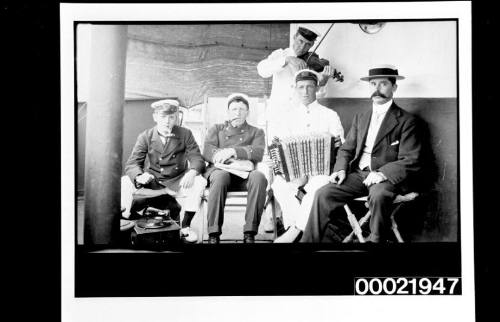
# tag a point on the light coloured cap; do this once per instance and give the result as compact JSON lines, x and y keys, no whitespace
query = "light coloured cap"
{"x":308,"y":32}
{"x":306,"y":74}
{"x":167,"y":106}
{"x":382,"y":70}
{"x":236,"y":96}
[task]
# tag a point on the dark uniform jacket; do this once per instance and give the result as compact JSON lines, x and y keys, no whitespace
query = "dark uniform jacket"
{"x":247,"y":140}
{"x":167,"y":163}
{"x":396,"y":150}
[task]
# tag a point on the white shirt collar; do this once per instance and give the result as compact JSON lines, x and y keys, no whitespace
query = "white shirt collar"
{"x":291,"y":52}
{"x":164,"y":135}
{"x":381,"y":109}
{"x":311,"y":105}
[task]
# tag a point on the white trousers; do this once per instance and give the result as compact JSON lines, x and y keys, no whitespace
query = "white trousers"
{"x":268,"y":173}
{"x":294,"y":212}
{"x":190,"y":199}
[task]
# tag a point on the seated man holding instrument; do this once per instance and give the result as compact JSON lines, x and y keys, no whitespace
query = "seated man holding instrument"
{"x":305,"y":119}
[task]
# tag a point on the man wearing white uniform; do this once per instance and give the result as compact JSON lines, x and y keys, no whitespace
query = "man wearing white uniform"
{"x":282,"y":65}
{"x":306,"y":116}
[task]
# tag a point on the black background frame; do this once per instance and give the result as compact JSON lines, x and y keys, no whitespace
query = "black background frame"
{"x":37,"y":259}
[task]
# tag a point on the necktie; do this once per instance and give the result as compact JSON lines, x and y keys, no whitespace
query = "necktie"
{"x":166,"y":137}
{"x":370,"y":139}
{"x":379,"y":115}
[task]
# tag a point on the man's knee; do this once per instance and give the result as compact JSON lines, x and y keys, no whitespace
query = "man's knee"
{"x":277,"y":182}
{"x":279,"y":185}
{"x":324,"y":192}
{"x":220,"y":178}
{"x":126,"y":195}
{"x":316,"y":182}
{"x":127,"y":186}
{"x":380,"y":194}
{"x":200,"y":182}
{"x":265,"y":169}
{"x":257,"y":178}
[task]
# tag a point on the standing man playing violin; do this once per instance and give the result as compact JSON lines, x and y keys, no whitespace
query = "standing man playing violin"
{"x":282,"y":64}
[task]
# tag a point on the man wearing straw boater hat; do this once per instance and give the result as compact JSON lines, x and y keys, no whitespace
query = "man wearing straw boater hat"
{"x":380,"y":158}
{"x":172,"y":170}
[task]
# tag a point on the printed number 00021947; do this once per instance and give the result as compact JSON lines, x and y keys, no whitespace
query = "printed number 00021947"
{"x":407,"y":286}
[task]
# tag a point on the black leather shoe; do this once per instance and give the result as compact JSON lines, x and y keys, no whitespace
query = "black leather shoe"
{"x":280,"y":228}
{"x":248,"y":238}
{"x":213,"y":239}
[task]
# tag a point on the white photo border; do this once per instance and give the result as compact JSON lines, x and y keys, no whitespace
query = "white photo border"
{"x":289,"y":308}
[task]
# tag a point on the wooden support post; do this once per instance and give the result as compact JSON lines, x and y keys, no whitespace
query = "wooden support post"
{"x":103,"y":161}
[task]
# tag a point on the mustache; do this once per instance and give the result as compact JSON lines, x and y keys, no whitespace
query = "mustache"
{"x":377,"y":93}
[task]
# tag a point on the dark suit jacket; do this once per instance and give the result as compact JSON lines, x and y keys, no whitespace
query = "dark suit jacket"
{"x":167,"y":163}
{"x":247,"y":140}
{"x":396,"y":151}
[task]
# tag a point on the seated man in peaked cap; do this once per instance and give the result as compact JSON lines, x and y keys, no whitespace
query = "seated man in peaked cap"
{"x":381,"y":157}
{"x":173,"y":168}
{"x":234,"y":140}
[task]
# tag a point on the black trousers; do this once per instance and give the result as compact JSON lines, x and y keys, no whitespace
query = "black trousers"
{"x":220,"y":182}
{"x":332,"y":196}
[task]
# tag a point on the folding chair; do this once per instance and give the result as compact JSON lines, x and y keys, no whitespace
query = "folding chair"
{"x":356,"y":225}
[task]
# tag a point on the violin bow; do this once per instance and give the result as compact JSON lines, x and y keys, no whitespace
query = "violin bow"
{"x":326,"y":33}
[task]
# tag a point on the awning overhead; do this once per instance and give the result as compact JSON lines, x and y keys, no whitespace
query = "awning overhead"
{"x":189,"y":61}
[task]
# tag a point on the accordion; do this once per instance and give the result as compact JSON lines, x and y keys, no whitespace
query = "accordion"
{"x":304,"y":155}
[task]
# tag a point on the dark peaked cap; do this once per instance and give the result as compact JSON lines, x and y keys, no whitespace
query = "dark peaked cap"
{"x":168,"y":106}
{"x":307,"y":33}
{"x":306,"y":74}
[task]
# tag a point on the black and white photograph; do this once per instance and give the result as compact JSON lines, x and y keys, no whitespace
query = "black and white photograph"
{"x":314,"y":157}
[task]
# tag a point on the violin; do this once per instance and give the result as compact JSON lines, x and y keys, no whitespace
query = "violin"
{"x":318,"y":64}
{"x":314,"y":62}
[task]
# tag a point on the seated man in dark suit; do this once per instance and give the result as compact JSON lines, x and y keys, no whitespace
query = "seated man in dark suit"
{"x":234,"y":140}
{"x":165,"y":163}
{"x":380,"y":158}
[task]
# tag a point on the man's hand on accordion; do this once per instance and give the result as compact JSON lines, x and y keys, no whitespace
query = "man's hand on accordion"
{"x":337,"y":141}
{"x":337,"y":177}
{"x":266,"y":159}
